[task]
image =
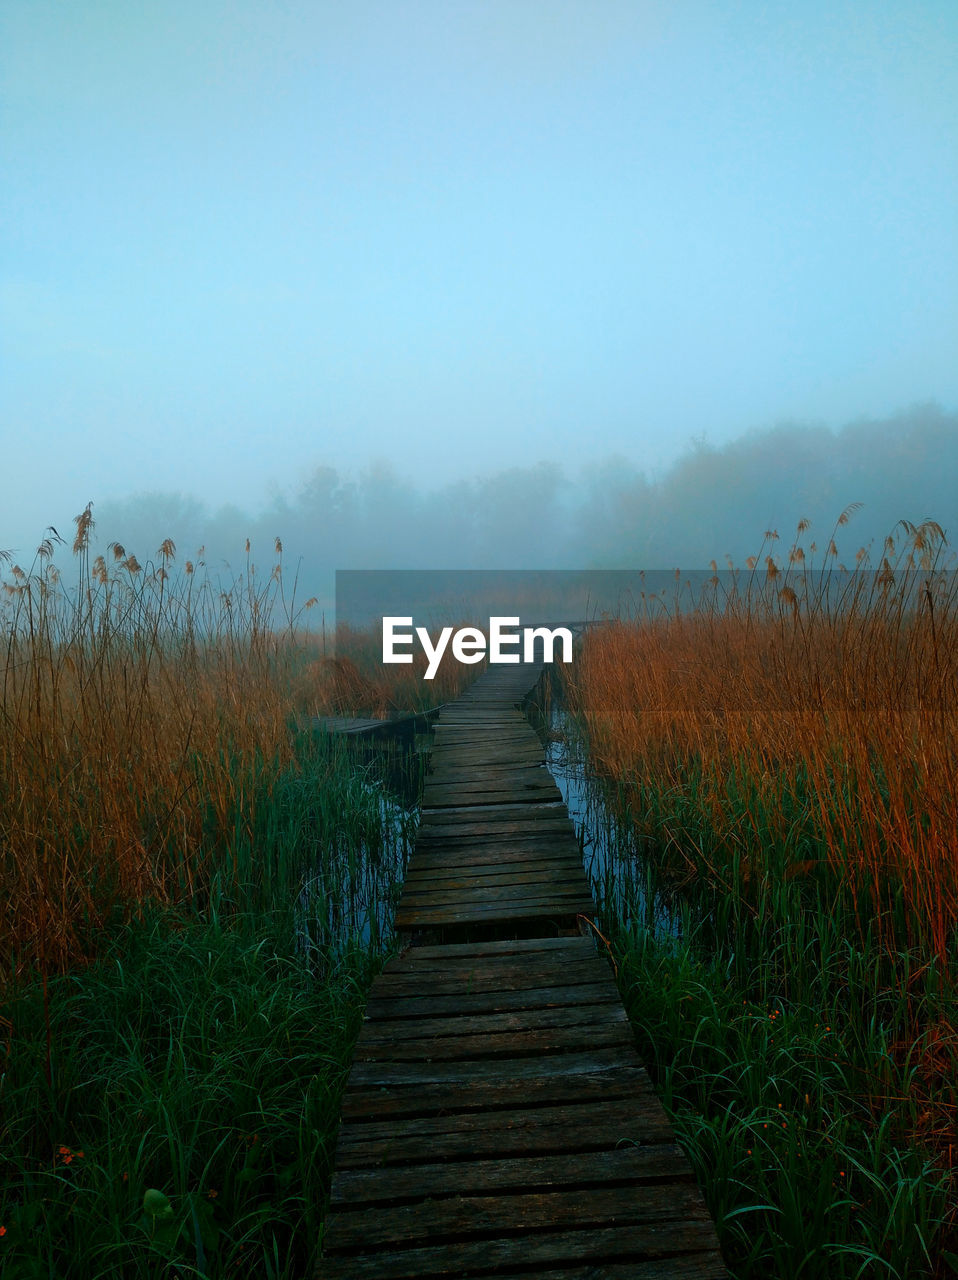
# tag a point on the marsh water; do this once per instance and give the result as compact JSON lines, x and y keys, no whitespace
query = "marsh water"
{"x":349,"y":897}
{"x":612,"y":850}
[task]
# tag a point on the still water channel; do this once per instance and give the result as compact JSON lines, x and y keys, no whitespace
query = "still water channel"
{"x":350,"y":900}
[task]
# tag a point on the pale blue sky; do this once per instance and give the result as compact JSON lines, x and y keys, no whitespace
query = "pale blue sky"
{"x":240,"y":239}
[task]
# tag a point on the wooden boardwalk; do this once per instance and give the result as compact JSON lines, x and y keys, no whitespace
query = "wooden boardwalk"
{"x":497,"y":1120}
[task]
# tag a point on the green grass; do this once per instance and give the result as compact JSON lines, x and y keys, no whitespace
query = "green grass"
{"x":796,"y":1116}
{"x":201,"y":1057}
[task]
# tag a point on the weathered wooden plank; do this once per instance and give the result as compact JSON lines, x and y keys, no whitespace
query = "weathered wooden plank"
{"x":429,"y":1006}
{"x":489,"y":898}
{"x":454,"y":855}
{"x":546,"y":974}
{"x":473,"y":1214}
{"x":535,"y":966}
{"x":481,"y":1045}
{"x":498,"y":900}
{"x":511,"y":811}
{"x":425,"y":882}
{"x":472,"y":831}
{"x":449,"y":1098}
{"x":531,"y":847}
{"x":487,"y":719}
{"x":449,"y":743}
{"x":394,"y":1030}
{"x":455,"y":858}
{"x":470,"y":773}
{"x":583,"y":1127}
{"x":482,"y":767}
{"x":540,"y":840}
{"x":385,"y":1073}
{"x":558,"y":913}
{"x":442,"y":796}
{"x":438,"y":955}
{"x":548,"y":984}
{"x":488,"y":1256}
{"x":480,"y":737}
{"x":539,"y":822}
{"x":490,"y":766}
{"x":482,"y":730}
{"x":505,"y":813}
{"x":426,"y":953}
{"x":497,"y":753}
{"x":535,"y":785}
{"x":479,"y":764}
{"x":626,"y":1164}
{"x":494,"y":748}
{"x":491,"y":877}
{"x":489,"y":759}
{"x":476,"y":803}
{"x":501,"y":871}
{"x":499,"y":841}
{"x":491,"y":874}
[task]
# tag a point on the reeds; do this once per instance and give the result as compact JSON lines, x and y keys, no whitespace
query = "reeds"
{"x":147,"y":713}
{"x":781,"y":895}
{"x":167,"y":816}
{"x":806,"y":718}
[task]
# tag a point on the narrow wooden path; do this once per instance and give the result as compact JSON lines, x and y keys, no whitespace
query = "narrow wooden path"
{"x":497,"y":1120}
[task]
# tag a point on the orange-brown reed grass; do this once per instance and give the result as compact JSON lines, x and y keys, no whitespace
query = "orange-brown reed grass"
{"x":808,"y":710}
{"x":144,"y":714}
{"x":136,"y":715}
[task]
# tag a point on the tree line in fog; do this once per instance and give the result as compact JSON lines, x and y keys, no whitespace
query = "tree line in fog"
{"x":714,"y":503}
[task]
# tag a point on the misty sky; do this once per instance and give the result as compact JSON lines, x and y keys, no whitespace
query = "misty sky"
{"x":244,"y":239}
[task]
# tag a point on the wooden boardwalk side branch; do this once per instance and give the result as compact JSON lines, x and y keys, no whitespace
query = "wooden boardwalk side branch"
{"x":497,"y":1120}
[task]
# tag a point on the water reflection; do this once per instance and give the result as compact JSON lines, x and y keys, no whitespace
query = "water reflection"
{"x":620,"y":874}
{"x":349,"y":897}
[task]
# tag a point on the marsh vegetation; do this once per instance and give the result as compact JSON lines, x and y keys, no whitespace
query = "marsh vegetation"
{"x":197,"y":890}
{"x":773,"y":790}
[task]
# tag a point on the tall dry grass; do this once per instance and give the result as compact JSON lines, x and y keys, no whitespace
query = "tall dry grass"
{"x":138,"y":711}
{"x":146,"y":711}
{"x":808,"y":717}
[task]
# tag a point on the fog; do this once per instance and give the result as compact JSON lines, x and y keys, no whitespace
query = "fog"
{"x":482,"y":283}
{"x":713,"y":503}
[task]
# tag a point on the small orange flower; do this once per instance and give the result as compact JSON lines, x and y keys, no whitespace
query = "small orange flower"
{"x":212,"y":1193}
{"x":3,"y":1231}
